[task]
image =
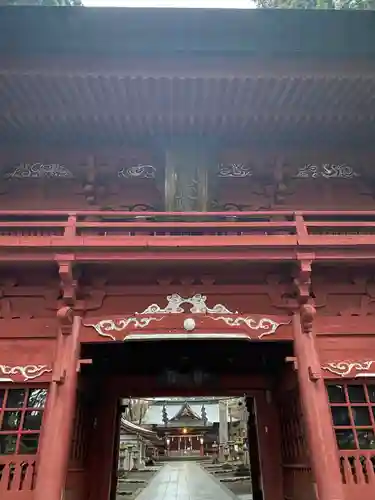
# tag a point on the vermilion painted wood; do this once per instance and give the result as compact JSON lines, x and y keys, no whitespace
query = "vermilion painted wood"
{"x":344,"y":322}
{"x":317,"y":417}
{"x":58,"y":419}
{"x":174,"y":323}
{"x":221,"y":237}
{"x":17,"y":478}
{"x":342,"y":332}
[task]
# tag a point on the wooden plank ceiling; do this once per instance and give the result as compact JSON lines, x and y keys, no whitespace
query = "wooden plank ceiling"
{"x":63,"y":106}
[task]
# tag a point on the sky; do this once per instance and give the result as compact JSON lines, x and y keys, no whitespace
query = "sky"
{"x":218,"y":4}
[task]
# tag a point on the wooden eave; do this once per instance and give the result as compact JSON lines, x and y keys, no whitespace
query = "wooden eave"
{"x":132,"y":428}
{"x":191,"y":424}
{"x":63,"y":106}
{"x":120,"y":75}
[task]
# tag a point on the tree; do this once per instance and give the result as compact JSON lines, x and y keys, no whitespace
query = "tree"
{"x":317,"y":4}
{"x":46,"y":3}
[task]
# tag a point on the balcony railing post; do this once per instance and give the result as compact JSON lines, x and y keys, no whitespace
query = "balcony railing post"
{"x":71,"y":226}
{"x":301,"y":227}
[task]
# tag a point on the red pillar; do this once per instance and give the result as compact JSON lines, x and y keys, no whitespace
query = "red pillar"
{"x":318,"y":422}
{"x":58,"y":419}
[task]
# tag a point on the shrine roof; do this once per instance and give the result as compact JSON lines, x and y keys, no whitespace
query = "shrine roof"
{"x":185,"y":412}
{"x":26,"y":30}
{"x":154,"y":414}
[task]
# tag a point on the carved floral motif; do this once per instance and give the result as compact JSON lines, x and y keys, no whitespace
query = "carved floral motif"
{"x":27,"y":372}
{"x":326,"y":170}
{"x":197,"y":303}
{"x":235,"y":170}
{"x":344,"y":368}
{"x":39,"y":170}
{"x":138,"y":172}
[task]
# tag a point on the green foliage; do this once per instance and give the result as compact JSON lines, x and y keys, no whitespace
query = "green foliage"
{"x":317,"y":4}
{"x":47,"y":3}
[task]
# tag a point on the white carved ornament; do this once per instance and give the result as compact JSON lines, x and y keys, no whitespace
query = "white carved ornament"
{"x":27,"y":372}
{"x":266,"y":324}
{"x":38,"y":171}
{"x":198,"y":303}
{"x":137,"y":172}
{"x":327,"y":171}
{"x":105,"y":326}
{"x":345,"y":368}
{"x":235,"y":170}
{"x":174,"y":305}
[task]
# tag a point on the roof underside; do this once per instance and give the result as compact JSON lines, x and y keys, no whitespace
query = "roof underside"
{"x":107,"y":75}
{"x":130,"y":427}
{"x":66,"y":108}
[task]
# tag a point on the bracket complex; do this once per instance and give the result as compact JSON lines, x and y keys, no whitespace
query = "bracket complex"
{"x":302,"y":282}
{"x":68,"y":286}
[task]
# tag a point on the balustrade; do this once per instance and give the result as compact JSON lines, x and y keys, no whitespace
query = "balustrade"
{"x":221,"y":229}
{"x":17,"y":476}
{"x":358,"y":473}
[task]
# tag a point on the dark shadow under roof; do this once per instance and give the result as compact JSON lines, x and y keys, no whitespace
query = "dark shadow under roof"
{"x":110,"y":31}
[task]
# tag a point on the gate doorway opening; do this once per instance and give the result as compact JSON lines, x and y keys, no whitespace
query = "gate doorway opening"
{"x":211,"y":431}
{"x":258,"y":372}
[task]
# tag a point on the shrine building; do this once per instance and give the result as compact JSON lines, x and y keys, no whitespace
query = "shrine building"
{"x":188,"y":428}
{"x":187,"y":208}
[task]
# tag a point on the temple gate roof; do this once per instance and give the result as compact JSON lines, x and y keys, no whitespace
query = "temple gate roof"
{"x":115,"y":75}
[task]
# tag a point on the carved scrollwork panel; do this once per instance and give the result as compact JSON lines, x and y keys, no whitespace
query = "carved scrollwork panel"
{"x":38,"y":171}
{"x":348,"y":368}
{"x":196,"y":306}
{"x":23,"y":372}
{"x":139,"y":171}
{"x":266,"y":325}
{"x":327,"y":171}
{"x":105,"y":326}
{"x":234,"y":170}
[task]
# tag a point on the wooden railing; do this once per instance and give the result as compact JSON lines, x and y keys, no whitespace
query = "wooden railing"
{"x":358,"y":473}
{"x":17,"y":477}
{"x":85,"y":229}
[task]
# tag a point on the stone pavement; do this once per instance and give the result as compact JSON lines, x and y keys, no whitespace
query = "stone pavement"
{"x":184,"y":481}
